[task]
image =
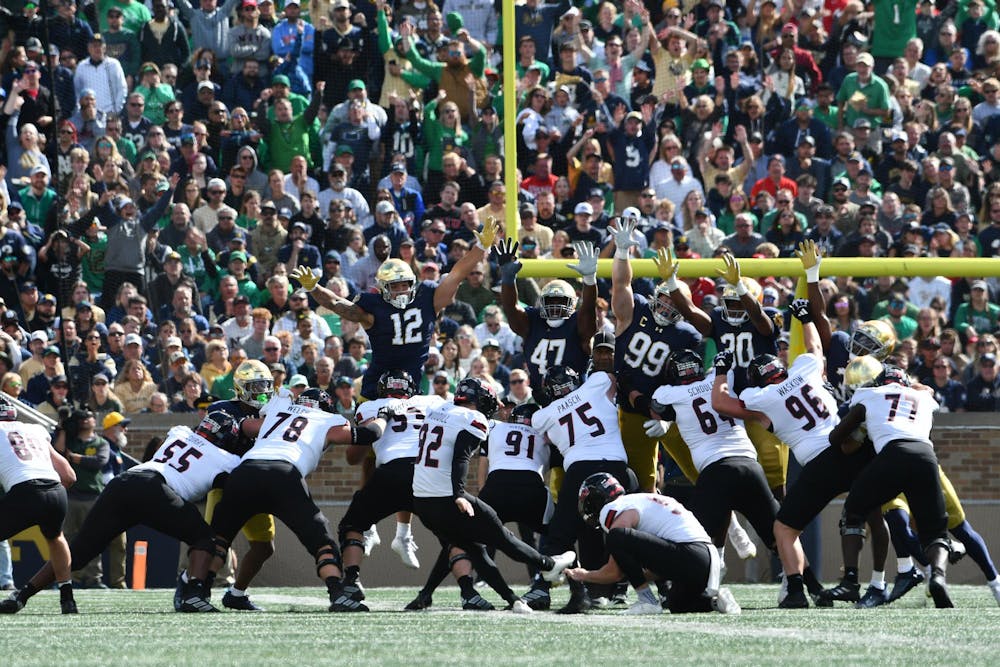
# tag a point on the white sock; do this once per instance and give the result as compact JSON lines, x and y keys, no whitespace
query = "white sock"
{"x":904,"y":564}
{"x":995,"y":583}
{"x":184,"y":576}
{"x":722,"y":552}
{"x":237,"y":593}
{"x":402,"y":530}
{"x":646,"y":595}
{"x":878,"y":580}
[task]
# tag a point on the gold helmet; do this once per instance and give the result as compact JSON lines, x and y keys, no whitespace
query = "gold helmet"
{"x":396,"y":272}
{"x":664,"y":311}
{"x":874,"y":337}
{"x":557,"y":300}
{"x":862,"y":372}
{"x":253,"y":384}
{"x":733,"y":310}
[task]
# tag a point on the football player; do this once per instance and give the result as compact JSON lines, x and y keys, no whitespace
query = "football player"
{"x":898,"y":419}
{"x":646,"y":332}
{"x":161,"y":494}
{"x":745,"y":328}
{"x":390,"y":487}
{"x":451,"y":434}
{"x":581,"y":420}
{"x":400,"y":319}
{"x":647,"y":532}
{"x":271,"y":478}
{"x":36,"y":477}
{"x":555,"y":332}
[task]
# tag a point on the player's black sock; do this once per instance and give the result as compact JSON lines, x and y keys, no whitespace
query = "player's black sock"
{"x":209,"y":580}
{"x":29,"y":590}
{"x":351,"y":574}
{"x":794,"y":583}
{"x":466,"y":582}
{"x":812,"y":583}
{"x":851,"y":574}
{"x":334,"y":586}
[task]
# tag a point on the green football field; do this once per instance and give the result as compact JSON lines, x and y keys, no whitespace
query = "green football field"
{"x":130,"y":628}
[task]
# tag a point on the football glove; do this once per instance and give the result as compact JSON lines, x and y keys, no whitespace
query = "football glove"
{"x":621,"y":232}
{"x":723,"y":361}
{"x":306,"y":277}
{"x":506,"y":254}
{"x":731,"y":272}
{"x":667,"y":268}
{"x":656,"y":428}
{"x":800,"y":309}
{"x":489,"y":233}
{"x":587,"y":264}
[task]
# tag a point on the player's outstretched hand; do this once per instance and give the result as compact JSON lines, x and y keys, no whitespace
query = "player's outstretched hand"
{"x":465,"y":507}
{"x":666,"y":265}
{"x":655,"y":428}
{"x":800,"y":309}
{"x":723,"y":361}
{"x":731,"y":272}
{"x":586,"y":266}
{"x":506,"y":253}
{"x":621,"y":231}
{"x":809,"y":254}
{"x":306,"y":277}
{"x":488,"y":234}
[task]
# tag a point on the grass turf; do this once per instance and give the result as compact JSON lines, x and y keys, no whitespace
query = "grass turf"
{"x":140,"y":628}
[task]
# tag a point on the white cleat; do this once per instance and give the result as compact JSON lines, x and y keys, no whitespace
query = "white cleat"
{"x":562,"y":561}
{"x":725,"y":603}
{"x":783,"y":591}
{"x":740,"y":539}
{"x":995,"y":589}
{"x":521,"y":607}
{"x":372,"y":539}
{"x":406,"y":547}
{"x":643,"y":608}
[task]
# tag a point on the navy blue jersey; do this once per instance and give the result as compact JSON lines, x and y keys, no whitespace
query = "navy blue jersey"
{"x":400,"y":337}
{"x":222,"y":426}
{"x":546,"y":346}
{"x":837,"y":358}
{"x":745,"y":342}
{"x":642,"y":349}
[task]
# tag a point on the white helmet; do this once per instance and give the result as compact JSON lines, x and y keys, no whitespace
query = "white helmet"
{"x":393,"y":272}
{"x":557,"y":300}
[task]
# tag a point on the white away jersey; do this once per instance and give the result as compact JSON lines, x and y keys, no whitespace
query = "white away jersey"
{"x":436,"y":448}
{"x":517,"y":447}
{"x":24,"y":454}
{"x":583,"y":424}
{"x":709,"y":435}
{"x":895,"y":412}
{"x":662,"y":516}
{"x":801,"y":410}
{"x":293,"y":433}
{"x":189,"y":463}
{"x":401,"y":433}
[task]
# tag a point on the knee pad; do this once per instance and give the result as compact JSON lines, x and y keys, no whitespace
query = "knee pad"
{"x":351,"y":542}
{"x":942,"y":542}
{"x":204,"y":544}
{"x":327,"y":555}
{"x":452,"y":560}
{"x":220,"y":547}
{"x":852,"y":525}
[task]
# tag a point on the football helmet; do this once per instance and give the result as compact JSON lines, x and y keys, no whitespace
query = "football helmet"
{"x":557,"y":300}
{"x":683,"y":367}
{"x":892,"y":375}
{"x":733,"y":310}
{"x":560,"y":381}
{"x":396,"y":384}
{"x":597,"y":491}
{"x":253,"y":384}
{"x":396,"y":272}
{"x":766,"y":369}
{"x":862,"y":372}
{"x":8,"y":411}
{"x":874,"y":337}
{"x":477,"y":394}
{"x":317,"y":399}
{"x":522,"y":414}
{"x":664,"y":311}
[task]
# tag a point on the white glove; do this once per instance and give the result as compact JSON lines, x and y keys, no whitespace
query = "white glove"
{"x":621,"y":232}
{"x":586,"y":266}
{"x":656,"y":428}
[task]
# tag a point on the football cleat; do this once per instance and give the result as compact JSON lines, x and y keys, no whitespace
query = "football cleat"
{"x":938,"y":590}
{"x":538,"y":598}
{"x":845,"y":591}
{"x":342,"y":603}
{"x":406,"y":547}
{"x":11,"y":604}
{"x":476,"y":602}
{"x":196,"y":604}
{"x":179,"y":592}
{"x":957,"y":552}
{"x":783,"y":589}
{"x":995,"y":589}
{"x":354,"y":590}
{"x":725,"y":603}
{"x":643,"y":608}
{"x":905,"y":582}
{"x":419,"y":603}
{"x":241,"y":602}
{"x":873,"y":597}
{"x":740,"y":539}
{"x":620,"y":595}
{"x":519,"y":607}
{"x":562,"y":561}
{"x":579,"y":603}
{"x":372,"y":539}
{"x":68,"y":606}
{"x":600,"y":602}
{"x":796,"y":600}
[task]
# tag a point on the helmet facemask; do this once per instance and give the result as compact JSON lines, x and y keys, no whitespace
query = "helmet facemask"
{"x":554,"y":307}
{"x":397,"y":297}
{"x":863,"y":342}
{"x":255,"y":393}
{"x":733,"y":310}
{"x":664,"y":311}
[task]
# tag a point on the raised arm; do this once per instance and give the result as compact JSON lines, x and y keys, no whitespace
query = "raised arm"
{"x":667,"y":268}
{"x":444,"y":295}
{"x":509,"y":266}
{"x":810,"y":256}
{"x":622,"y":304}
{"x":344,"y":308}
{"x":724,"y":402}
{"x":810,"y":336}
{"x":586,"y":312}
{"x":758,"y":317}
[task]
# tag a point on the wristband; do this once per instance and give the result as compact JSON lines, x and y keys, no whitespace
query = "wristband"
{"x":741,"y":288}
{"x":812,"y":274}
{"x":590,"y":279}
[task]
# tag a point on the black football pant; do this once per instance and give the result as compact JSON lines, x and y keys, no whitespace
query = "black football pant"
{"x":821,"y":480}
{"x":734,"y":483}
{"x":36,"y":502}
{"x":389,"y":490}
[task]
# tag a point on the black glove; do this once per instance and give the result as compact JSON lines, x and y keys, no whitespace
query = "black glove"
{"x":723,"y":361}
{"x":390,"y":411}
{"x":506,"y":251}
{"x":800,"y":309}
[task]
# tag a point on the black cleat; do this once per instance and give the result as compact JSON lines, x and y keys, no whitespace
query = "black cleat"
{"x":476,"y":603}
{"x":845,"y":591}
{"x":579,"y":603}
{"x":794,"y":601}
{"x":905,"y":582}
{"x":179,"y":592}
{"x":538,"y":598}
{"x":68,"y":606}
{"x":196,"y":604}
{"x":343,"y":603}
{"x":240,"y":603}
{"x":11,"y":604}
{"x":354,"y":590}
{"x":620,"y":594}
{"x":419,"y":603}
{"x":873,"y":597}
{"x":939,"y":591}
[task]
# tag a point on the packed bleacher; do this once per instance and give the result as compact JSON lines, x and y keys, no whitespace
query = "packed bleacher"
{"x":167,"y":165}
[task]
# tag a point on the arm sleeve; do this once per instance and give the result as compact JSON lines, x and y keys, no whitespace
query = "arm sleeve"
{"x":421,"y":64}
{"x":153,"y":215}
{"x":466,"y":444}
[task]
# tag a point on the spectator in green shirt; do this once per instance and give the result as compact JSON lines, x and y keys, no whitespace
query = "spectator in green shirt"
{"x":904,"y":325}
{"x":37,"y":198}
{"x":872,"y":101}
{"x":288,"y":135}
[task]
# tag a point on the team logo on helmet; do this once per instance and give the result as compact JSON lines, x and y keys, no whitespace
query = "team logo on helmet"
{"x":393,"y":275}
{"x":479,"y":394}
{"x":862,"y":372}
{"x":597,"y":491}
{"x":684,"y":367}
{"x":560,"y":381}
{"x":396,"y":384}
{"x":766,"y":369}
{"x":557,"y":300}
{"x":317,"y":399}
{"x":522,"y":414}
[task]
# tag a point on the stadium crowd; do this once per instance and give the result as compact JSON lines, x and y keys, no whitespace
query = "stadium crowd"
{"x":167,"y":165}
